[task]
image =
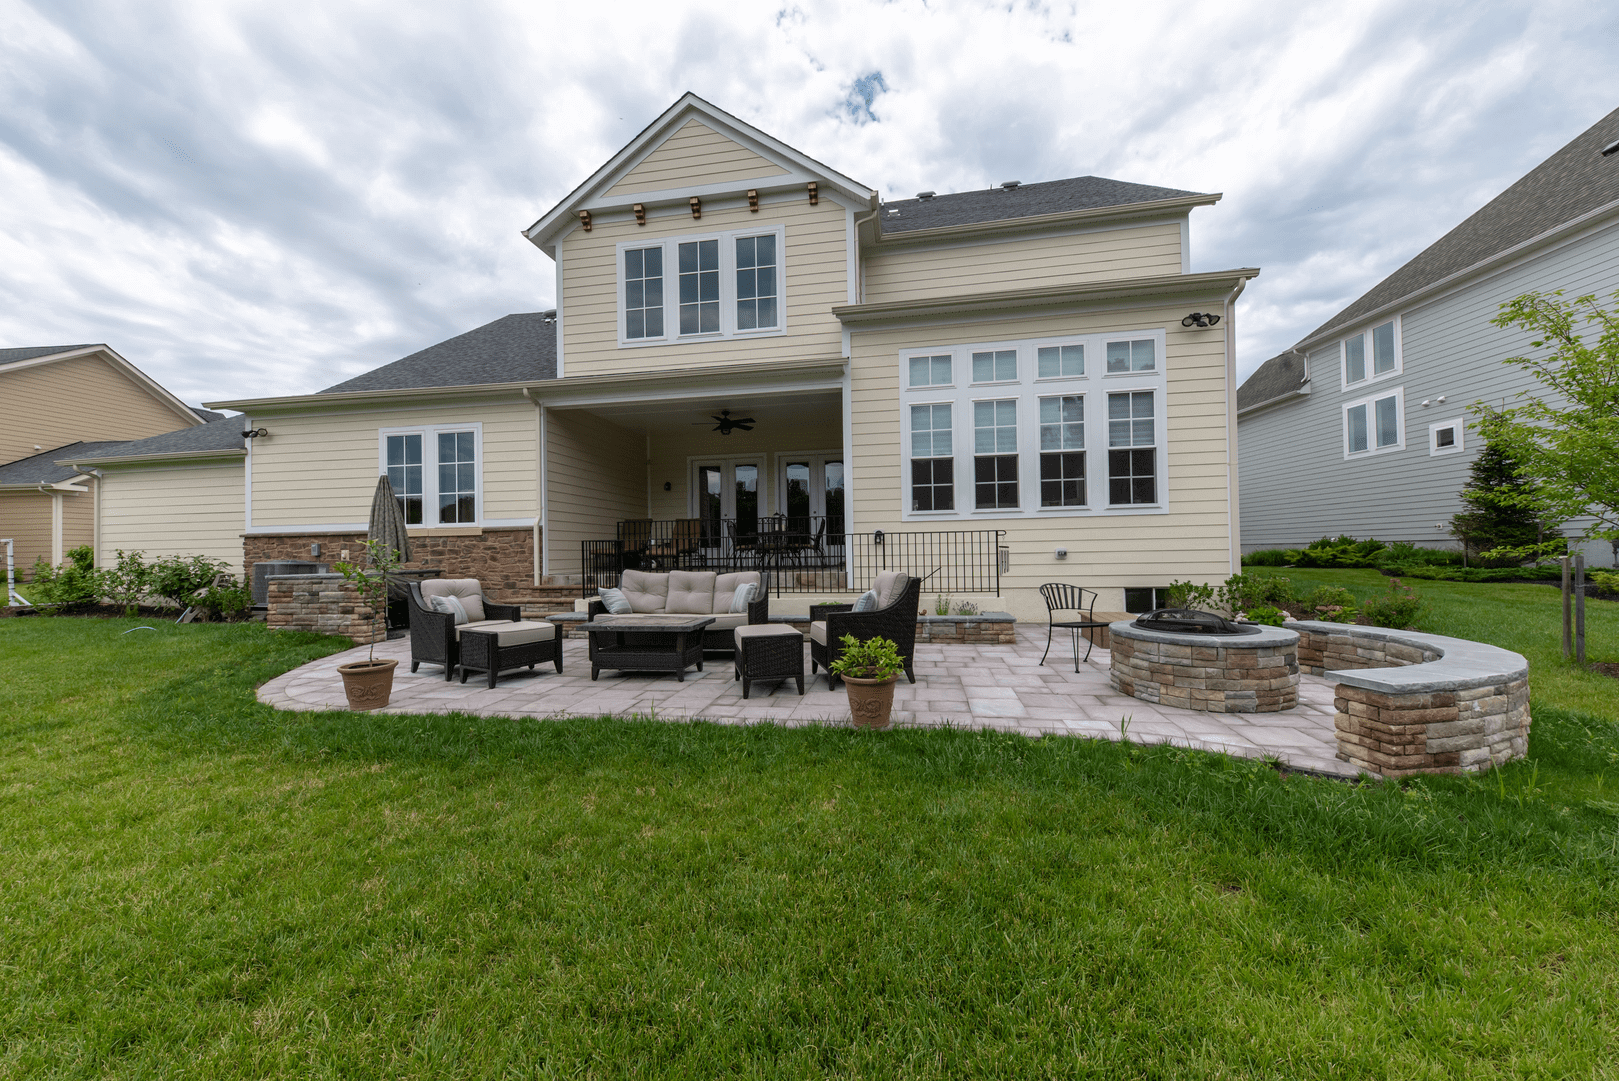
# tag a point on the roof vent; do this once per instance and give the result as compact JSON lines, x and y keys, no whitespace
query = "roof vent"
{"x":893,"y":213}
{"x":1611,"y":148}
{"x":926,"y":194}
{"x":1008,"y":185}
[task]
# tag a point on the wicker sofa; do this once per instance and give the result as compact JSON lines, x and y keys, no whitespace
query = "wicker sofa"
{"x":894,"y":618}
{"x":695,"y":593}
{"x":434,"y":637}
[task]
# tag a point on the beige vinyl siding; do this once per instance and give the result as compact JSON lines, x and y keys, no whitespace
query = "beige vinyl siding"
{"x":25,"y":517}
{"x":82,"y":398}
{"x":1026,"y":262}
{"x":1106,"y":552}
{"x":78,"y":519}
{"x":164,"y":510}
{"x":815,"y":278}
{"x":322,"y":469}
{"x":673,"y":456}
{"x":595,"y":475}
{"x":696,"y":154}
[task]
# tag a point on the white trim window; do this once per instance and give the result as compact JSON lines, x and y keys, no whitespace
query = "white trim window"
{"x":702,"y":286}
{"x":1371,"y":355}
{"x":436,"y":472}
{"x":1375,"y":424}
{"x":1446,"y":437}
{"x":1023,"y":408}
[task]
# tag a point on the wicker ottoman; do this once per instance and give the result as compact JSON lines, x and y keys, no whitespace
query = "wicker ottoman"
{"x":768,"y":651}
{"x":508,"y":645}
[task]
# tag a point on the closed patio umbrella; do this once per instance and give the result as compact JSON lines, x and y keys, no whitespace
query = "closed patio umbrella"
{"x":388,"y":520}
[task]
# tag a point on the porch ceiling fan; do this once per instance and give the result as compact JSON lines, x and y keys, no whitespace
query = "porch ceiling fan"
{"x":728,"y":424}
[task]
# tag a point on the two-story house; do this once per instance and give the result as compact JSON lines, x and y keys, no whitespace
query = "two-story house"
{"x":1363,"y":427}
{"x":754,"y":357}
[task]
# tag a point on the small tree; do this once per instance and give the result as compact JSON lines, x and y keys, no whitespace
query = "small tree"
{"x":1567,"y":438}
{"x":372,"y":584}
{"x":1504,"y":508}
{"x":179,"y":578}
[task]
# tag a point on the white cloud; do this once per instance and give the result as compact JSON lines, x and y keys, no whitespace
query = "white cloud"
{"x":258,"y":198}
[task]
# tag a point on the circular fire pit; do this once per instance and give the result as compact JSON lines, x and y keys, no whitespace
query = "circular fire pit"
{"x":1196,"y":660}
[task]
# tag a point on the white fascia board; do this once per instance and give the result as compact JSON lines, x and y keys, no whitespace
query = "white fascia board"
{"x":156,"y":389}
{"x":654,"y":135}
{"x":180,"y":456}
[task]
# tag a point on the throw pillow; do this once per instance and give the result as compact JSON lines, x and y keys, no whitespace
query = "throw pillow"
{"x":450,"y":606}
{"x":616,"y":602}
{"x":743,"y":596}
{"x":866,"y":602}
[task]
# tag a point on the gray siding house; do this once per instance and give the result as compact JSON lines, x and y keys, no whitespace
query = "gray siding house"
{"x":1363,"y":427}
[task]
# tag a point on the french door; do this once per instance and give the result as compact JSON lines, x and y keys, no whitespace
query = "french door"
{"x":812,"y":487}
{"x":728,"y":489}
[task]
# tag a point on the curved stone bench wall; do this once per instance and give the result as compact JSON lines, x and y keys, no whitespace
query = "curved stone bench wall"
{"x":1408,"y":702}
{"x":1250,"y":673}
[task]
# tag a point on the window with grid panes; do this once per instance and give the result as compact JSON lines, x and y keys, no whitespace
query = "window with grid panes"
{"x":1132,"y":356}
{"x":643,"y":293}
{"x":700,"y":287}
{"x":755,"y":282}
{"x":933,"y":480}
{"x":1062,"y":451}
{"x":1132,"y":456}
{"x":457,"y":478}
{"x":1053,"y":361}
{"x":930,"y":371}
{"x":405,"y":474}
{"x":995,"y":366}
{"x":995,"y":454}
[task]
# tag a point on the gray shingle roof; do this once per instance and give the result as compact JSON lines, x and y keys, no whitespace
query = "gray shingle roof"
{"x":42,"y":467}
{"x":1279,"y":375}
{"x":206,"y":414}
{"x":29,"y":352}
{"x":1572,"y":182}
{"x":1024,"y":201}
{"x":217,"y":435}
{"x":512,"y":349}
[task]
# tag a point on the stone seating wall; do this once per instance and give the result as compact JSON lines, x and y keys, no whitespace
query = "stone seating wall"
{"x":323,"y":603}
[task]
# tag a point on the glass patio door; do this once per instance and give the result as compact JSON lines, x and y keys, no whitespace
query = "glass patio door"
{"x":727,"y":489}
{"x":812,"y":487}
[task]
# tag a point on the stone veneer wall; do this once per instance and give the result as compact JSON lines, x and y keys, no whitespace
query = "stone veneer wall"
{"x":1216,"y":679}
{"x":1457,"y":721}
{"x":502,"y":559}
{"x":323,"y":603}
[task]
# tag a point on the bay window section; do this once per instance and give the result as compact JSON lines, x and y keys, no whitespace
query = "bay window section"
{"x":1062,"y":451}
{"x":995,"y":455}
{"x":932,"y":465}
{"x":1132,"y":457}
{"x":404,"y":464}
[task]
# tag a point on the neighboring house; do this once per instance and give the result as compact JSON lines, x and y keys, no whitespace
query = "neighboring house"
{"x":1363,"y":427}
{"x":1020,"y":360}
{"x":61,"y":399}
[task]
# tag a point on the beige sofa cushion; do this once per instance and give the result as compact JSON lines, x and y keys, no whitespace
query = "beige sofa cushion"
{"x":889,"y":587}
{"x":691,"y":593}
{"x":512,"y":634}
{"x":647,"y":591}
{"x":726,"y":620}
{"x":818,"y":632}
{"x":725,"y":588}
{"x":468,"y":590}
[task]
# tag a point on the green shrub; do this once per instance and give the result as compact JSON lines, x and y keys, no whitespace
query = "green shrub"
{"x":1267,"y":615}
{"x":1398,"y":608}
{"x":1337,"y":552}
{"x":1474,"y":574}
{"x":875,"y":658}
{"x":1406,"y":554}
{"x":73,"y":585}
{"x":127,"y":581}
{"x":1241,"y":592}
{"x":229,"y":602}
{"x":1188,"y":595}
{"x":179,"y":578}
{"x":1332,"y":604}
{"x":1266,"y":557}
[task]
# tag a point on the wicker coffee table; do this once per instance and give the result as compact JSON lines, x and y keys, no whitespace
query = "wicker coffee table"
{"x":649,"y":643}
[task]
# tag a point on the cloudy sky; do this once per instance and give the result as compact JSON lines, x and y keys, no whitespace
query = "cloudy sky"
{"x":251,"y":198}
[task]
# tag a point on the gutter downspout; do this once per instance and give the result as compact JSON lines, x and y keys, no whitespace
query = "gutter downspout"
{"x":1233,"y":501}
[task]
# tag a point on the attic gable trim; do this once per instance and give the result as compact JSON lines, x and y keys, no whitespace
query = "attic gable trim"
{"x":656,"y":133}
{"x":152,"y":386}
{"x":1165,"y":286}
{"x":1569,"y":231}
{"x":1121,"y":212}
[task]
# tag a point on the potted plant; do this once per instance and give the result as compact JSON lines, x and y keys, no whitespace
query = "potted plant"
{"x":369,"y":683}
{"x":868,"y":670}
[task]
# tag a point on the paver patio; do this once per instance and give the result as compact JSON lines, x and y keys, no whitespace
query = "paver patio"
{"x":999,"y":687}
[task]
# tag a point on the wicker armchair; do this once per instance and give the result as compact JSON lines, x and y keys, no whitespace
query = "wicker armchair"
{"x":432,"y":634}
{"x":897,"y":623}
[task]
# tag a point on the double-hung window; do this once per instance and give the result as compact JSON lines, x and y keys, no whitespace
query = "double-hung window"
{"x":1062,"y":451}
{"x":434,"y":472}
{"x":1374,"y":424}
{"x":694,"y":287}
{"x":995,"y":454}
{"x":1371,"y":354}
{"x":1132,"y":455}
{"x":933,"y":467}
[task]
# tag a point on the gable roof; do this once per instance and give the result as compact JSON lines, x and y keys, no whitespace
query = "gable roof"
{"x":1279,"y":377}
{"x":512,"y":349}
{"x":215,"y":437}
{"x":32,"y":356}
{"x":42,"y":468}
{"x":1023,"y":201}
{"x":1572,"y":184}
{"x":29,"y":352}
{"x":799,"y":166}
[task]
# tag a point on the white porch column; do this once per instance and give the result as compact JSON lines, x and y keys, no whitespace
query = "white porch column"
{"x":56,"y":528}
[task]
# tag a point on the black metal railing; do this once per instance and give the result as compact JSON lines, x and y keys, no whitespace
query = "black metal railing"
{"x":810,"y":554}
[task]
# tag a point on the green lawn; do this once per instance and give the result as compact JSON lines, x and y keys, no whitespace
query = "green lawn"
{"x":194,"y":885}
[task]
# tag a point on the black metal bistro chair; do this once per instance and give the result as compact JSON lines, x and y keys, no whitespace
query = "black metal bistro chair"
{"x":1061,"y":598}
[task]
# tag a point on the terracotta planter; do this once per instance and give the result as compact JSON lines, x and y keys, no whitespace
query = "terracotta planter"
{"x":368,"y":683}
{"x":871,"y":701}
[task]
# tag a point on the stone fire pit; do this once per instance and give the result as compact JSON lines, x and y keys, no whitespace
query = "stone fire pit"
{"x":1255,"y":672}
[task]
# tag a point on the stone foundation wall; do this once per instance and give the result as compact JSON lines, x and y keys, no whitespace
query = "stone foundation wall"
{"x":324,"y":604}
{"x":502,"y":559}
{"x":1216,"y":679}
{"x":1438,"y":732}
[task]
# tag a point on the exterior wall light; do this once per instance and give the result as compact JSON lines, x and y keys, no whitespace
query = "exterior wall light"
{"x":254,"y":433}
{"x":1200,"y":319}
{"x":1061,"y":553}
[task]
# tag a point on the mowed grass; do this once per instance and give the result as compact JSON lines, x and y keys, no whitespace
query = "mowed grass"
{"x":195,"y":885}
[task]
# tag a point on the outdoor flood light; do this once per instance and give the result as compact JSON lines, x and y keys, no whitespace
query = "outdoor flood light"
{"x":1200,"y":319}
